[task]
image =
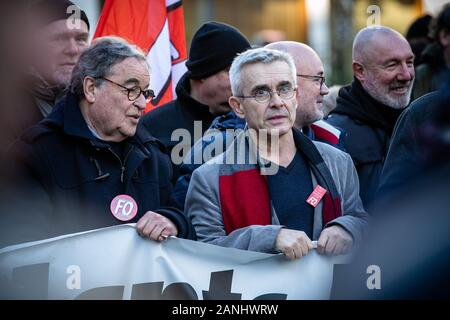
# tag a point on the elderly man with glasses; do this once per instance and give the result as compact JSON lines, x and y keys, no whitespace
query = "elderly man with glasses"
{"x":274,"y":190}
{"x":92,"y":165}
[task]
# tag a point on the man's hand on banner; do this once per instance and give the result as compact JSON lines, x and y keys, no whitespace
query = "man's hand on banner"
{"x":293,"y":243}
{"x":334,"y":240}
{"x":156,"y":227}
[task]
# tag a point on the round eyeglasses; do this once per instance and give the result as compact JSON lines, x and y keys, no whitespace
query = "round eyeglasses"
{"x":135,"y":92}
{"x":265,"y":95}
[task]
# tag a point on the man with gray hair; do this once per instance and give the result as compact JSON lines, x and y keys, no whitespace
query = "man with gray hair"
{"x":274,"y":190}
{"x":367,"y":110}
{"x":89,"y":159}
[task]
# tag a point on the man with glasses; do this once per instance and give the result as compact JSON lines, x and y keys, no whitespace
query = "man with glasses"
{"x":311,"y":93}
{"x":274,"y":190}
{"x":367,"y":110}
{"x":89,"y":159}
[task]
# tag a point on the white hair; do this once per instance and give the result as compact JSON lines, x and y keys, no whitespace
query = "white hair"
{"x":259,"y":55}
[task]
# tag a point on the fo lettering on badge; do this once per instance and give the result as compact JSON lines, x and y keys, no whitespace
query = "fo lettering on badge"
{"x":317,"y":195}
{"x":123,"y":207}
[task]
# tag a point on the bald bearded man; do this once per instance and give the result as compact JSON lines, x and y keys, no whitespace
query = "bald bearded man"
{"x":383,"y":69}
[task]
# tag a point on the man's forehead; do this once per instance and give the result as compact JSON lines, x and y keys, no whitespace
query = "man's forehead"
{"x":131,"y":68}
{"x":266,"y":74}
{"x":65,"y":26}
{"x":386,"y":47}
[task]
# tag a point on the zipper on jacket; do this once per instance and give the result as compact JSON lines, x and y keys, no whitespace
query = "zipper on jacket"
{"x":122,"y":163}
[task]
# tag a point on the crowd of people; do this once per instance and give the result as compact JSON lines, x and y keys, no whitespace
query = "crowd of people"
{"x":271,"y":171}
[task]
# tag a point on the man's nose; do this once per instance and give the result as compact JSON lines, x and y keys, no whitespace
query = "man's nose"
{"x":275,"y":100}
{"x":406,"y":73}
{"x":73,"y":47}
{"x":324,"y":90}
{"x":140,"y":102}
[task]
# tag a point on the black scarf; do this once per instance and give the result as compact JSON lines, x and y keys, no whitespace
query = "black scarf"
{"x":356,"y":103}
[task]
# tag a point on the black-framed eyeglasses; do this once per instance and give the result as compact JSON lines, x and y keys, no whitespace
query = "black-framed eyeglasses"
{"x":265,"y":95}
{"x":319,"y":79}
{"x":135,"y":92}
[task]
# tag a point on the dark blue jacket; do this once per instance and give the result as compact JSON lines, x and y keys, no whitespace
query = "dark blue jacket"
{"x":180,"y":113}
{"x":81,"y":174}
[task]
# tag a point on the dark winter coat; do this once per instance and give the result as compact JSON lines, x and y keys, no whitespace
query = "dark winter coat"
{"x":178,"y":114}
{"x":367,"y":127}
{"x":80,"y":175}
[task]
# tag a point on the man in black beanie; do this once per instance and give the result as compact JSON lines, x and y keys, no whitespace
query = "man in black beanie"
{"x":203,"y":91}
{"x":56,"y":33}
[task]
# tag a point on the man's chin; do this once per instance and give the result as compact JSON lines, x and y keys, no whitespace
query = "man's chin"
{"x":397,"y":102}
{"x":61,"y":80}
{"x":220,"y":109}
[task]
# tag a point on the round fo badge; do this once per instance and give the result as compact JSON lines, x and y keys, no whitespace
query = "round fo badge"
{"x":123,"y":207}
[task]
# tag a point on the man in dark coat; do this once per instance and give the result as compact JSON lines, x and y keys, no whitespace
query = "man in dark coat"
{"x":57,"y":32}
{"x":89,"y":162}
{"x":203,"y":91}
{"x":366,"y":112}
{"x":414,"y":147}
{"x":417,"y":186}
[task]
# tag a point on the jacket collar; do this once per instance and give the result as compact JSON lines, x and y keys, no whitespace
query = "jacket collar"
{"x":245,"y":152}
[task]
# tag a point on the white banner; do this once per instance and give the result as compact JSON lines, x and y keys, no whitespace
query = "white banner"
{"x":116,"y":263}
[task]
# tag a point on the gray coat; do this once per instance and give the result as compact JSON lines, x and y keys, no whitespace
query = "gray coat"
{"x":203,"y":205}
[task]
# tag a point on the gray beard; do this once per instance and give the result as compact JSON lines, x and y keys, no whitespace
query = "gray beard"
{"x":386,"y":99}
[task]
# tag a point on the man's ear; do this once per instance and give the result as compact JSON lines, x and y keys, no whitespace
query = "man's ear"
{"x":89,"y":89}
{"x":236,"y":105}
{"x":358,"y":71}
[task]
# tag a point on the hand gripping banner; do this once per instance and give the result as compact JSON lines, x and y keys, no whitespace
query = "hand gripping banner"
{"x":116,"y":263}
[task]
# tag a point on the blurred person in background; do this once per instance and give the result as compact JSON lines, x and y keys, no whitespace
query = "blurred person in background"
{"x":430,"y":75}
{"x":408,"y":247}
{"x":418,"y":36}
{"x":330,"y":100}
{"x":57,"y":34}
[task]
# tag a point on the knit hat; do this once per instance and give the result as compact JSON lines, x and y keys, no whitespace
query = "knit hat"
{"x":52,"y":10}
{"x":213,"y":48}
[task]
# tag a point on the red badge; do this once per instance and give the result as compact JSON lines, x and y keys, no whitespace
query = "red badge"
{"x":317,"y":195}
{"x":123,"y":207}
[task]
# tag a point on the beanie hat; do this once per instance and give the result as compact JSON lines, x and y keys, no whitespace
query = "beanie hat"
{"x":213,"y":48}
{"x":52,"y":10}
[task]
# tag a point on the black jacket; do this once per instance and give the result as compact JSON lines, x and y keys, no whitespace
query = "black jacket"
{"x":367,"y":126}
{"x":408,"y":155}
{"x":80,"y":174}
{"x":178,"y":114}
